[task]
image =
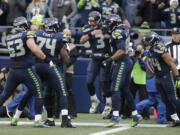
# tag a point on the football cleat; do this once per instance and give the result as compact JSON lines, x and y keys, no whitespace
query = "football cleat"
{"x":66,"y":122}
{"x":40,"y":124}
{"x":49,"y":123}
{"x":175,"y":124}
{"x":135,"y":120}
{"x":113,"y":122}
{"x":14,"y":121}
{"x":107,"y":110}
{"x":94,"y":105}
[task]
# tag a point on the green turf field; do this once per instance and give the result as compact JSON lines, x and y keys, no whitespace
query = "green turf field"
{"x":87,"y":124}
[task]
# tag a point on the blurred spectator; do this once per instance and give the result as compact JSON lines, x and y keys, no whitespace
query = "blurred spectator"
{"x":64,"y":10}
{"x":171,"y":15}
{"x":149,"y":11}
{"x":110,"y":7}
{"x":16,"y":8}
{"x":84,"y":8}
{"x":38,"y":7}
{"x":131,"y":9}
{"x":4,"y":10}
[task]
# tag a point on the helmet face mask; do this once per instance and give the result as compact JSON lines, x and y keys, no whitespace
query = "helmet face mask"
{"x":21,"y":22}
{"x":52,"y":25}
{"x":112,"y":21}
{"x":94,"y":18}
{"x":150,"y":40}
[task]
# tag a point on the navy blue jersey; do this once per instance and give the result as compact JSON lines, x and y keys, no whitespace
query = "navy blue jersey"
{"x":119,"y":40}
{"x":50,"y":44}
{"x":20,"y":54}
{"x":100,"y":46}
{"x":156,"y":60}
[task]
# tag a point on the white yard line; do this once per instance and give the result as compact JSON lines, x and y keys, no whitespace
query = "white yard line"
{"x":110,"y":131}
{"x":87,"y":124}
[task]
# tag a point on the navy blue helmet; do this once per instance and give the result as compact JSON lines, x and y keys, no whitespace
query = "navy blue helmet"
{"x":94,"y":16}
{"x":51,"y":25}
{"x":112,"y":21}
{"x":21,"y":22}
{"x":151,"y":39}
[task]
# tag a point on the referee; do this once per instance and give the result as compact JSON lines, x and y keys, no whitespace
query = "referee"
{"x":174,"y":49}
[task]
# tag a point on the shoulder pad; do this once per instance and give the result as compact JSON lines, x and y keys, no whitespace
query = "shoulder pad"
{"x":160,"y":48}
{"x":86,"y":29}
{"x":30,"y":34}
{"x":117,"y":34}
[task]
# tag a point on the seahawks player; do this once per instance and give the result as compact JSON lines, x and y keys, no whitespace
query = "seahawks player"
{"x":163,"y":64}
{"x":98,"y":39}
{"x":53,"y":45}
{"x":21,"y":45}
{"x":121,"y":69}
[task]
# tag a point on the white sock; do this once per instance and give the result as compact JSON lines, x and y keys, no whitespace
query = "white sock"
{"x":108,"y":100}
{"x":51,"y":119}
{"x":64,"y":112}
{"x":115,"y":113}
{"x":18,"y":114}
{"x":175,"y":117}
{"x":94,"y":97}
{"x":134,"y":113}
{"x":38,"y":117}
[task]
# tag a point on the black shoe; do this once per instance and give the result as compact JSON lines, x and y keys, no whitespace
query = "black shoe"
{"x":49,"y":123}
{"x":175,"y":123}
{"x":66,"y":122}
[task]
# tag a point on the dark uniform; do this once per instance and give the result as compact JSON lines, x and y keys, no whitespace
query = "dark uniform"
{"x":51,"y":45}
{"x":122,"y":69}
{"x":100,"y":51}
{"x":21,"y":71}
{"x":163,"y":78}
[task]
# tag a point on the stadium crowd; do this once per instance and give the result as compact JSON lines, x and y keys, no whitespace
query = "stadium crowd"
{"x":139,"y":69}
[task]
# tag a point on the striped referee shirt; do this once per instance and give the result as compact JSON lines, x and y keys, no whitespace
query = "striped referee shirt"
{"x":174,"y":50}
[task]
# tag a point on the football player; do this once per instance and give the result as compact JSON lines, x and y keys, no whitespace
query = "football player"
{"x":121,"y":70}
{"x":98,"y":39}
{"x":21,"y":45}
{"x":52,"y":43}
{"x":163,"y":64}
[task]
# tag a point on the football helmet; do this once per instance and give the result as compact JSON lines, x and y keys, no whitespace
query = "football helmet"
{"x":94,"y":16}
{"x":151,"y":39}
{"x":112,"y":21}
{"x":52,"y":25}
{"x":21,"y":22}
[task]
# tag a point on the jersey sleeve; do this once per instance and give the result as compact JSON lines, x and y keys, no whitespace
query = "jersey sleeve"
{"x":161,"y":49}
{"x":30,"y":34}
{"x":86,"y":29}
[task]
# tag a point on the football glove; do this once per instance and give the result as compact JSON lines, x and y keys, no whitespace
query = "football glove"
{"x":177,"y":82}
{"x":107,"y":62}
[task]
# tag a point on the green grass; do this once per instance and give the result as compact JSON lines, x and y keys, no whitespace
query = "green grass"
{"x":150,"y":131}
{"x":85,"y":130}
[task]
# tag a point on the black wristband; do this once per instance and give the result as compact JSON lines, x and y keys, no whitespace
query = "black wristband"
{"x":47,"y":60}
